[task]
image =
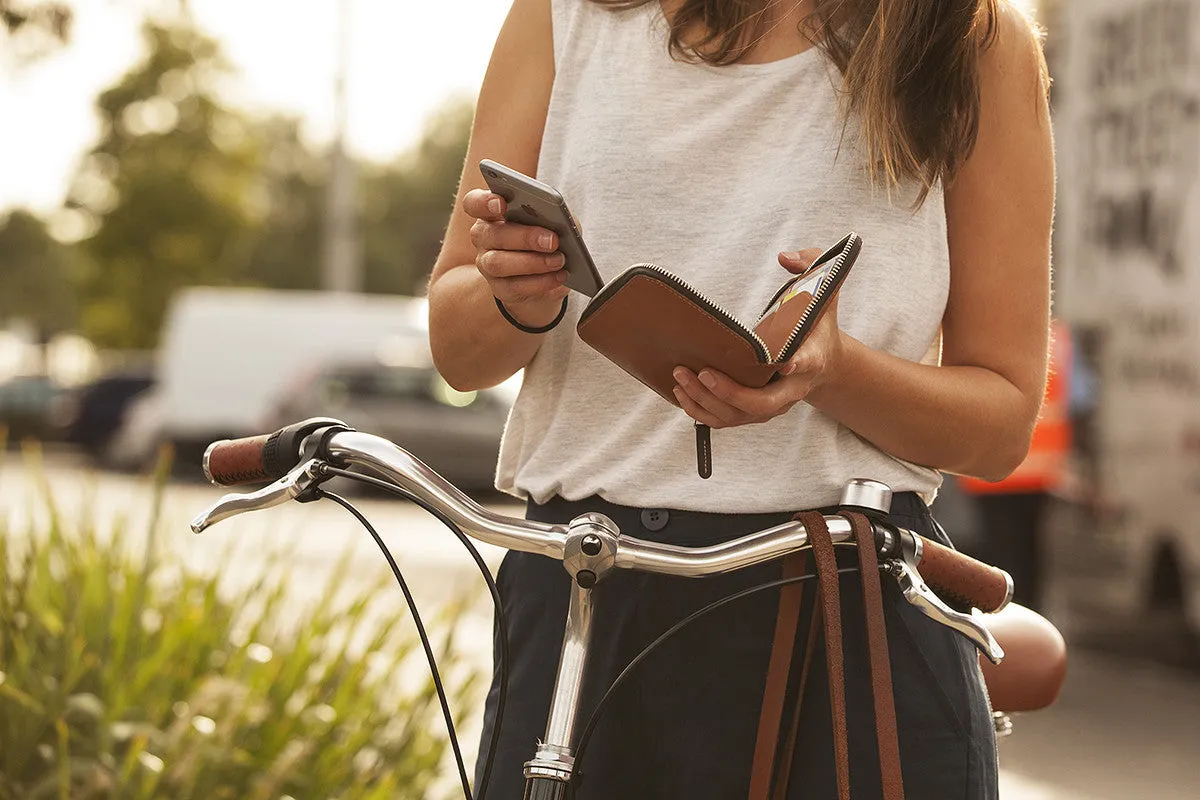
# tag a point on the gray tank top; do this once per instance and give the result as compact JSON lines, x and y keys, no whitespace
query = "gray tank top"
{"x":709,"y":172}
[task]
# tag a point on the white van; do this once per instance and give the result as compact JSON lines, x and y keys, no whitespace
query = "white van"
{"x":226,"y":355}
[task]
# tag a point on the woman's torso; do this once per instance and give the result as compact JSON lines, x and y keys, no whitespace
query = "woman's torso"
{"x":709,"y":172}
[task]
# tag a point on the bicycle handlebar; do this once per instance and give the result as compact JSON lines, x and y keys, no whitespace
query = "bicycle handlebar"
{"x":304,"y":455}
{"x":255,"y":459}
{"x":228,"y":462}
{"x":959,"y":577}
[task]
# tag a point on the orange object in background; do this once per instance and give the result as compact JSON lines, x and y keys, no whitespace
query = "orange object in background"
{"x":1044,"y":468}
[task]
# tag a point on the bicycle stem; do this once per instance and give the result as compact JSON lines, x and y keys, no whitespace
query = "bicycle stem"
{"x":554,"y":758}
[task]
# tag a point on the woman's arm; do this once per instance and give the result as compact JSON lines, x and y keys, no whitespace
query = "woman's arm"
{"x":473,"y":346}
{"x":975,"y":414}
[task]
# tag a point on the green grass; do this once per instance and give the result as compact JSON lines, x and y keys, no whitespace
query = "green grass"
{"x":125,"y":677}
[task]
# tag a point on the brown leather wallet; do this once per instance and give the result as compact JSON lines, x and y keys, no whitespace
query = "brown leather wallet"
{"x":648,"y":321}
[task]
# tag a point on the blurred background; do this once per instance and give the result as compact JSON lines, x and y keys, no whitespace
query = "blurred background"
{"x":187,"y":186}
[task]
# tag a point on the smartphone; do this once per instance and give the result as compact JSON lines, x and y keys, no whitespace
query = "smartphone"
{"x":531,"y":202}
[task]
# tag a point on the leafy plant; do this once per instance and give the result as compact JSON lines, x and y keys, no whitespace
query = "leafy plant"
{"x":132,"y":678}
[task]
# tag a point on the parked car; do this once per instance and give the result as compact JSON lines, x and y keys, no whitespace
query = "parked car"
{"x":455,"y":433}
{"x":91,"y":415}
{"x":136,"y":443}
{"x":27,"y":404}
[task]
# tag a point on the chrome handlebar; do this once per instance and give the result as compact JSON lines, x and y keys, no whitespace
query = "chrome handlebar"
{"x":589,"y":546}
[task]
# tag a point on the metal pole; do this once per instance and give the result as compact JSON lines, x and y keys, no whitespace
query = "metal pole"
{"x":341,"y":267}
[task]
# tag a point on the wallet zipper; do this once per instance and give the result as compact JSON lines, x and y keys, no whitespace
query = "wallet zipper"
{"x":838,"y":265}
{"x":755,"y":340}
{"x":703,"y":432}
{"x":760,"y":347}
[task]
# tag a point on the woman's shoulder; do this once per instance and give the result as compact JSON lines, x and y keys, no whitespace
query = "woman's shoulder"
{"x":1013,"y":47}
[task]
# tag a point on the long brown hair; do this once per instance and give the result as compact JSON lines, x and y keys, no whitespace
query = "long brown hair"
{"x":910,"y":69}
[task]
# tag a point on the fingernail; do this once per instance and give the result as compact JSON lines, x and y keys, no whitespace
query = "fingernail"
{"x":788,"y":369}
{"x":561,"y":275}
{"x":545,"y":241}
{"x":708,"y":379}
{"x":495,"y":206}
{"x":680,"y":375}
{"x":556,"y":260}
{"x":791,"y":256}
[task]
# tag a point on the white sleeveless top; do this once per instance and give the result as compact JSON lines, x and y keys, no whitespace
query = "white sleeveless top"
{"x":709,"y":172}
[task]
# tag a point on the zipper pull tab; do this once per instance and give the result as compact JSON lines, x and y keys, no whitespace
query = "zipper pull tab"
{"x":703,"y":450}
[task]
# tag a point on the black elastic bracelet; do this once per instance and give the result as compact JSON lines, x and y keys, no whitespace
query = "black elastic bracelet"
{"x":562,"y":312}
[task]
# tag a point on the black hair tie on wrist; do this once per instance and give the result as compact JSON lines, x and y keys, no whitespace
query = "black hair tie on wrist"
{"x":553,"y":323}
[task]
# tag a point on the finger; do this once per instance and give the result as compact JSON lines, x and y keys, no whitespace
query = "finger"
{"x":512,"y":263}
{"x":524,"y":288}
{"x":804,"y":364}
{"x":801,"y":260}
{"x":701,"y":396}
{"x":769,"y":401}
{"x":482,"y":204}
{"x":488,"y":235}
{"x":695,"y":411}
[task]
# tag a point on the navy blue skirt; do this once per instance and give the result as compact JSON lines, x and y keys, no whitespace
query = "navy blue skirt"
{"x":684,"y":724}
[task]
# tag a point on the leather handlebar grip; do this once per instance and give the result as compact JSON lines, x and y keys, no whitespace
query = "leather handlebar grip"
{"x":957,"y":577}
{"x":233,"y":461}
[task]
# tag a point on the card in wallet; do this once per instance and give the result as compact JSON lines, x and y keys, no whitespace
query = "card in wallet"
{"x":648,"y":321}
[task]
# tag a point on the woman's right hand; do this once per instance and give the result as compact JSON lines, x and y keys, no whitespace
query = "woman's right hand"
{"x":521,"y":263}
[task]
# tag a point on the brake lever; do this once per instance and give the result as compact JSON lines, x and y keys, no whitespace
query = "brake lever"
{"x":292,"y":486}
{"x":918,"y":593}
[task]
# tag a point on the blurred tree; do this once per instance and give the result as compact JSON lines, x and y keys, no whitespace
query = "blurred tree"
{"x":32,"y":29}
{"x":405,"y":205}
{"x":181,"y":190}
{"x":170,"y":194}
{"x":36,"y":273}
{"x":287,"y":250}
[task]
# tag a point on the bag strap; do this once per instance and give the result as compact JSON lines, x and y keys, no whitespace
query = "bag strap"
{"x":762,"y":773}
{"x":770,"y":770}
{"x":887,"y":734}
{"x":771,"y":767}
{"x":831,"y":618}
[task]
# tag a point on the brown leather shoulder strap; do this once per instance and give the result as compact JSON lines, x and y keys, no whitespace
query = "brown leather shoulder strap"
{"x":831,"y":617}
{"x":783,"y":770}
{"x":771,"y":767}
{"x":877,"y":653}
{"x":762,"y":774}
{"x":772,"y":764}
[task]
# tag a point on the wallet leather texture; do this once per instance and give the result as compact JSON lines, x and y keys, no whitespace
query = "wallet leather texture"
{"x":647,"y":321}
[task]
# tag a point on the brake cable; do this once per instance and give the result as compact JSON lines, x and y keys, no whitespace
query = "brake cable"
{"x":412,"y":607}
{"x":503,"y":661}
{"x":586,"y":736}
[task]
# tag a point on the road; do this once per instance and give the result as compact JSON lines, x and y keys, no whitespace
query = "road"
{"x":1123,"y":728}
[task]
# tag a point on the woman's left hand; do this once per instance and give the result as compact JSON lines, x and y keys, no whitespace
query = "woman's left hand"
{"x":716,"y":400}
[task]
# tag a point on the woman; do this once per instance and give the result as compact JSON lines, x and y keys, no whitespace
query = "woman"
{"x":719,"y":138}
